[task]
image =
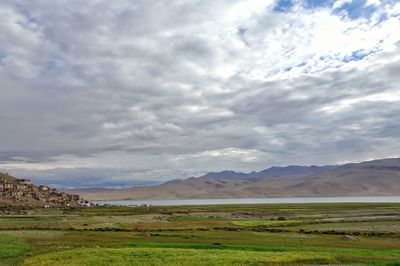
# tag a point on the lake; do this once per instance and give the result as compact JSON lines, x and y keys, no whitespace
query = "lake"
{"x":180,"y":202}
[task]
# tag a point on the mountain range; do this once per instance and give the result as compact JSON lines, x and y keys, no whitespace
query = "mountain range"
{"x":370,"y":178}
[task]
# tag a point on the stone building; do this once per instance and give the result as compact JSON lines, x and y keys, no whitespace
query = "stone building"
{"x":21,"y":192}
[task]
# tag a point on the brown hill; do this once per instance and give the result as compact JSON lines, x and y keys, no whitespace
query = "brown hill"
{"x":372,"y":178}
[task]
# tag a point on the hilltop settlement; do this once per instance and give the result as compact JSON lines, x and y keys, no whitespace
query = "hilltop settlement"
{"x":21,"y":192}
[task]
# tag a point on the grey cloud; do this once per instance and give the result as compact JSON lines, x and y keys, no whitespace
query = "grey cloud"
{"x":130,"y":92}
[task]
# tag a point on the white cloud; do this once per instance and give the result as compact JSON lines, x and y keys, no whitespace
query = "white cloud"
{"x":340,"y":3}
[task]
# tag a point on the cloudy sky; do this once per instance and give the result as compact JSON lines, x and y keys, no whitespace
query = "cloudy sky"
{"x":119,"y":93}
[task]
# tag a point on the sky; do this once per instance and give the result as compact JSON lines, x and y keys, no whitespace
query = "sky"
{"x":101,"y":93}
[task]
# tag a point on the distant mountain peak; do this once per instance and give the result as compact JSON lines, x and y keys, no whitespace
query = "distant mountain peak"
{"x":372,"y":178}
{"x":272,"y":171}
{"x":226,"y":174}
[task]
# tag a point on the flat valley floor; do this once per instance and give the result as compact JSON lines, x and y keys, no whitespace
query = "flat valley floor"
{"x":267,"y":234}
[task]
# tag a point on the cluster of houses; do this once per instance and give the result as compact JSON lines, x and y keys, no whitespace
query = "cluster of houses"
{"x":14,"y":191}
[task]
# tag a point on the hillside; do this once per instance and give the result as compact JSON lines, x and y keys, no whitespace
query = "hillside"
{"x":372,"y":178}
{"x":22,"y":193}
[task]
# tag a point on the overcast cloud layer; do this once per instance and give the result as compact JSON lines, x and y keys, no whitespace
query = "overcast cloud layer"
{"x":118,"y":93}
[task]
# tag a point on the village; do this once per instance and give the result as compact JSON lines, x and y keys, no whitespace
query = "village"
{"x":21,"y":192}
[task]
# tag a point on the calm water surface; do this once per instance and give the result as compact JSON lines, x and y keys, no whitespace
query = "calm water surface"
{"x":178,"y":202}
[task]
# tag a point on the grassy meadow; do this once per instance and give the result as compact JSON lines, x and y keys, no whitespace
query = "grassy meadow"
{"x":274,"y":234}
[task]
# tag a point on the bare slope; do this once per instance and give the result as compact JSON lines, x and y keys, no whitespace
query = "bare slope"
{"x":372,"y":178}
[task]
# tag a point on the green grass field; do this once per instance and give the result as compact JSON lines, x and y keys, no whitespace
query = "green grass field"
{"x":276,"y":234}
{"x":174,"y":256}
{"x":252,"y":223}
{"x":12,"y":249}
